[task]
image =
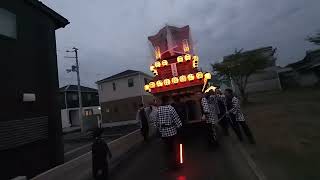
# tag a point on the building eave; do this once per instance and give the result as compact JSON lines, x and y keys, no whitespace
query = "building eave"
{"x":59,"y":20}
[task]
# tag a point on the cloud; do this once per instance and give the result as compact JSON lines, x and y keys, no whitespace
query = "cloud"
{"x":112,"y":35}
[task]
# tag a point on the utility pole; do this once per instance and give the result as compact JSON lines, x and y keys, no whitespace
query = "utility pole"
{"x":75,"y":68}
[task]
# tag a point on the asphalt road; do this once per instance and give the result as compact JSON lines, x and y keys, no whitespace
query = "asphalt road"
{"x":200,"y":163}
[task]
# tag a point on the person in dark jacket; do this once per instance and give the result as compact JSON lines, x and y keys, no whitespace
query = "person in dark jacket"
{"x":144,"y":125}
{"x":100,"y":154}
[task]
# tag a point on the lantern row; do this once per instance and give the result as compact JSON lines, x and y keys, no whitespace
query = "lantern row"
{"x":180,"y":59}
{"x":176,"y":80}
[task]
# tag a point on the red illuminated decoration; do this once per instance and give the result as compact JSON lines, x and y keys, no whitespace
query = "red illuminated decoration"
{"x":181,"y":178}
{"x":175,"y":66}
{"x":181,"y":154}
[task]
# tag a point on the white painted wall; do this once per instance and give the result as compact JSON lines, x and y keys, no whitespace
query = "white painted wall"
{"x":106,"y":92}
{"x":65,"y":118}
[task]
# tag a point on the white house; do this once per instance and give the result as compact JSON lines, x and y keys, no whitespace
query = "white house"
{"x":121,"y":94}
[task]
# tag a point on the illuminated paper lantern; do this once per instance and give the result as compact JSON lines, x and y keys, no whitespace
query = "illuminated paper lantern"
{"x":157,"y":64}
{"x":199,"y":75}
{"x":155,"y":72}
{"x":195,"y":64}
{"x":190,"y":77}
{"x":152,"y":85}
{"x":207,"y":76}
{"x":166,"y":82}
{"x":147,"y":88}
{"x":152,"y":68}
{"x":180,"y":59}
{"x":159,"y":83}
{"x":164,"y":63}
{"x":183,"y":78}
{"x":175,"y":80}
{"x":187,"y":57}
{"x":195,"y":58}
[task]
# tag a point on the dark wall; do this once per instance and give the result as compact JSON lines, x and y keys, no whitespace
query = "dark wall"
{"x":29,"y":64}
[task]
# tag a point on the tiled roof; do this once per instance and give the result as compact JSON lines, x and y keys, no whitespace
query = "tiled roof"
{"x":75,"y":88}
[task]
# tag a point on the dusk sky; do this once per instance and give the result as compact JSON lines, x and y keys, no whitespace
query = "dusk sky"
{"x":112,"y":35}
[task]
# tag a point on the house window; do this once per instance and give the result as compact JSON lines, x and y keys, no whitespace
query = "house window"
{"x":114,"y":86}
{"x":8,"y":24}
{"x":74,"y":97}
{"x":130,"y":82}
{"x":100,"y":87}
{"x":88,"y":112}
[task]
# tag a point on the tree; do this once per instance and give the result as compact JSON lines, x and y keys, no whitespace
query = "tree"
{"x":239,"y":66}
{"x":314,"y":39}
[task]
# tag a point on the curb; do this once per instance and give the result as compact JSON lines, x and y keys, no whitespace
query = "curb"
{"x":253,"y":166}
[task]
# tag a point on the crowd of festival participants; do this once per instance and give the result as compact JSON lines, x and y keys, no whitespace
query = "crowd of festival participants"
{"x":168,"y":115}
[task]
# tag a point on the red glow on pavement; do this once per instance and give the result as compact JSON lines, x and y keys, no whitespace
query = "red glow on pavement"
{"x":181,"y":155}
{"x":181,"y":178}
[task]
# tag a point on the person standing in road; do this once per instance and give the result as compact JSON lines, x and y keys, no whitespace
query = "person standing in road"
{"x":224,"y":121}
{"x":100,"y":154}
{"x":236,"y":116}
{"x":144,"y":124}
{"x":168,"y":123}
{"x":154,"y":110}
{"x":210,"y":116}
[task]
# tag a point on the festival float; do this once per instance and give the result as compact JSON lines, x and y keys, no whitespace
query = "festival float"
{"x":175,"y":66}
